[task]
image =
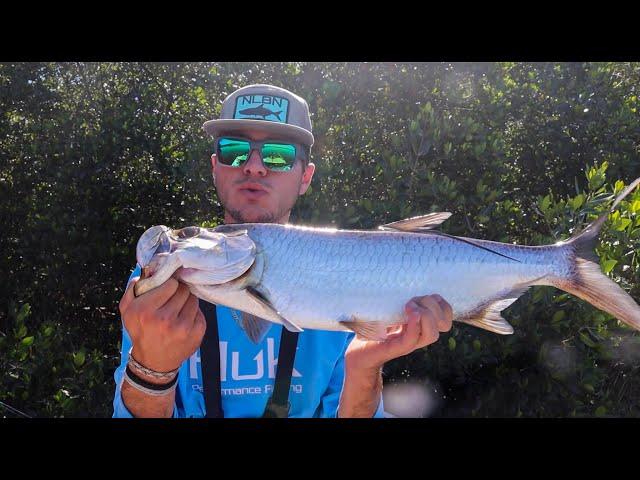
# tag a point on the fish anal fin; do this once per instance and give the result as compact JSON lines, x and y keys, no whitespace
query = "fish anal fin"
{"x":264,"y":303}
{"x":487,"y":316}
{"x":417,"y":224}
{"x":366,"y":330}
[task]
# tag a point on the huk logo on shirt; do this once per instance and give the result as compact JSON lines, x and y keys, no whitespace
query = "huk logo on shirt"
{"x":262,"y":107}
{"x":261,"y":368}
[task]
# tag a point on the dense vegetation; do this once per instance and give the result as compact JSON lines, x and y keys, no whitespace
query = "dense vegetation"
{"x":92,"y":154}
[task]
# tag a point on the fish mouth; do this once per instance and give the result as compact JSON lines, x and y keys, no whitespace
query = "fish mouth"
{"x":153,"y":241}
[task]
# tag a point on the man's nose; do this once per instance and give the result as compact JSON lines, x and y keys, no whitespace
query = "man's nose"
{"x":254,"y":165}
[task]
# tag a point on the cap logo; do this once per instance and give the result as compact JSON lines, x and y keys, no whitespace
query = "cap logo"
{"x":262,"y":107}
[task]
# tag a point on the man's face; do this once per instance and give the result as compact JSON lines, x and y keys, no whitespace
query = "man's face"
{"x":252,"y":193}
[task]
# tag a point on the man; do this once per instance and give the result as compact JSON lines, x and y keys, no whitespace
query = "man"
{"x":260,"y":167}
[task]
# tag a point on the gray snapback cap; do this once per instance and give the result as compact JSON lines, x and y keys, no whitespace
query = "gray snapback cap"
{"x":267,"y":108}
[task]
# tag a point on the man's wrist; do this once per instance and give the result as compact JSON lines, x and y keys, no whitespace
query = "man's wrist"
{"x":148,"y":374}
{"x":361,"y":392}
{"x":360,"y":368}
{"x":150,"y":378}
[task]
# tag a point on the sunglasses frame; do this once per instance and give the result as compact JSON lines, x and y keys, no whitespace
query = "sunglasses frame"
{"x":257,"y":145}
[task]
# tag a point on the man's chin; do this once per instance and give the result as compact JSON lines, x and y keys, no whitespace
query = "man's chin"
{"x":253,"y":215}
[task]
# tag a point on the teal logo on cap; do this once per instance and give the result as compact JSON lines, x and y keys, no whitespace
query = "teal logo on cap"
{"x":262,"y":107}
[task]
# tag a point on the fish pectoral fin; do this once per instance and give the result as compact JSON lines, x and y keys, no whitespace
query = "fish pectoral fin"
{"x":255,"y":327}
{"x":265,"y":304}
{"x":487,"y":316}
{"x":366,"y":330}
{"x":417,"y":224}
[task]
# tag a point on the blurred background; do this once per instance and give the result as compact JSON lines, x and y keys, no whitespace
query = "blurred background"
{"x":91,"y":154}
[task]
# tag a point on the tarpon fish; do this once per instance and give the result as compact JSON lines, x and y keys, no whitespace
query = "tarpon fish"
{"x":359,"y":281}
{"x":260,"y":111}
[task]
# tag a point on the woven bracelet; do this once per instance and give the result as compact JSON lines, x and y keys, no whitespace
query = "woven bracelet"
{"x":147,"y":387}
{"x":152,"y":373}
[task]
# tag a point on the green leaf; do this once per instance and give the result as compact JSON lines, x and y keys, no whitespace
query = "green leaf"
{"x":586,"y":340}
{"x":25,"y":310}
{"x":608,"y":265}
{"x":78,"y":359}
{"x":22,"y":331}
{"x":588,"y":387}
{"x":601,"y":411}
{"x":558,"y":316}
{"x":622,"y":224}
{"x":452,"y":343}
{"x":476,"y":345}
{"x":577,"y":202}
{"x":544,"y":203}
{"x":27,"y":341}
{"x":48,"y":331}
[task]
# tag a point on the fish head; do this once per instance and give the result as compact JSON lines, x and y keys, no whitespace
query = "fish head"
{"x":201,"y":256}
{"x":153,"y":240}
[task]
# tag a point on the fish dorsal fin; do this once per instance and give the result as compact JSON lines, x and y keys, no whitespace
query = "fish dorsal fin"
{"x":366,"y":330}
{"x":417,"y":224}
{"x":426,"y":223}
{"x":487,"y":316}
{"x":265,"y":304}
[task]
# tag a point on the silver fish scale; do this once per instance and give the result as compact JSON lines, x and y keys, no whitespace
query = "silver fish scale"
{"x":316,"y":277}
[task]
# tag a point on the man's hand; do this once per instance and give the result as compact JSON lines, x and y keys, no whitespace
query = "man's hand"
{"x":165,"y":324}
{"x":426,"y":316}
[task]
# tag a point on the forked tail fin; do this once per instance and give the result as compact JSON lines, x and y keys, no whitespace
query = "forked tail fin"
{"x":587,"y":281}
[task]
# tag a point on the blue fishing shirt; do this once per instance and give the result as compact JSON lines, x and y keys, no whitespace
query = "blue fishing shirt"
{"x":248,"y":371}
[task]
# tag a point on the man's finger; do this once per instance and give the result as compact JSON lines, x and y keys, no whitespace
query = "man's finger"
{"x":128,"y":296}
{"x":160,"y":295}
{"x":199,"y":324}
{"x":430,"y":303}
{"x":442,"y":323}
{"x":443,"y":314}
{"x":447,"y":310}
{"x":189,"y":310}
{"x":405,"y":341}
{"x":176,"y":302}
{"x":429,"y":331}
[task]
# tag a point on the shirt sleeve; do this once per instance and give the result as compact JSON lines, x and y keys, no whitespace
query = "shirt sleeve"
{"x":329,"y":402}
{"x":119,"y":408}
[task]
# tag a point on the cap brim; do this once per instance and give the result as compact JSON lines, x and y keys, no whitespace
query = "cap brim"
{"x":222,"y":126}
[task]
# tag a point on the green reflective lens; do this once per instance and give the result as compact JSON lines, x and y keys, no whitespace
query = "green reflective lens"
{"x":278,"y":156}
{"x":233,"y":152}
